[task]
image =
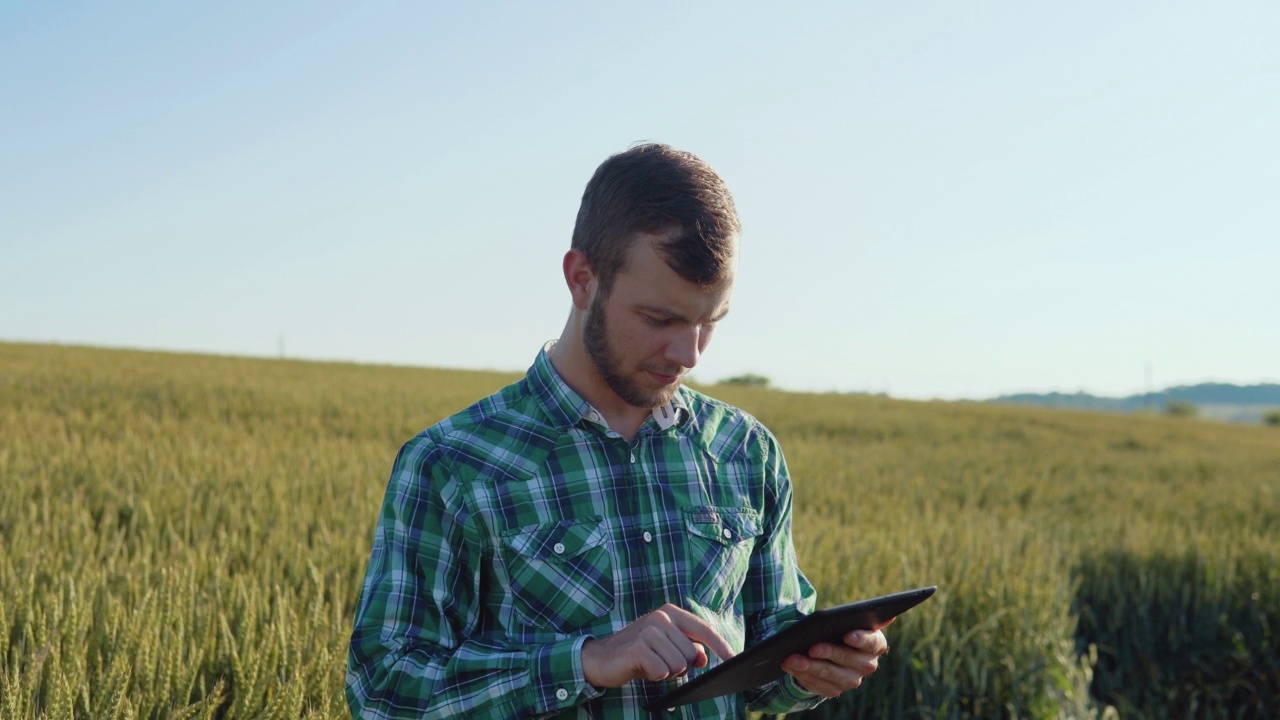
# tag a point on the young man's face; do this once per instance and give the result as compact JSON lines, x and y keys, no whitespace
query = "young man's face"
{"x":652,"y":327}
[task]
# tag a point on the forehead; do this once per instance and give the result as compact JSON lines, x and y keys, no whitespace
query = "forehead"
{"x":646,"y":279}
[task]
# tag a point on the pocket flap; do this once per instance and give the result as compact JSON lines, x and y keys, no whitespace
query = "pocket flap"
{"x":724,"y":525}
{"x":556,"y":541}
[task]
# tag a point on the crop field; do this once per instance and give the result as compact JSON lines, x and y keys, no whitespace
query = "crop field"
{"x":184,"y":536}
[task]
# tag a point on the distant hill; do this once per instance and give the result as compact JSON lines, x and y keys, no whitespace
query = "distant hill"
{"x":1219,"y":401}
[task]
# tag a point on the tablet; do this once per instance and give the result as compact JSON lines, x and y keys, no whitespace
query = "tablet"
{"x":762,"y":663}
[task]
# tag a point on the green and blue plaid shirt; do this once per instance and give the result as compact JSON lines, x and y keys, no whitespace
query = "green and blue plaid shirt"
{"x":518,"y":528}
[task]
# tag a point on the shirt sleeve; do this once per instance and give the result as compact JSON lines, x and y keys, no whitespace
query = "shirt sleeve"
{"x":776,"y":594}
{"x":418,"y":649}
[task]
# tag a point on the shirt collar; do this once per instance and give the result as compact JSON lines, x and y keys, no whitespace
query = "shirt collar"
{"x":566,"y":407}
{"x":671,"y":413}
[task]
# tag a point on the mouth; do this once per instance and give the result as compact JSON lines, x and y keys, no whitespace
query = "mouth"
{"x":663,"y":379}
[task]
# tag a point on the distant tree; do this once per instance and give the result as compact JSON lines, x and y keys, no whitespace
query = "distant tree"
{"x":748,"y":379}
{"x":1179,"y":408}
{"x":1272,"y":418}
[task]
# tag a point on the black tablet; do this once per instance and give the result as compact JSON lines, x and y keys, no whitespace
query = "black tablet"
{"x":762,"y":663}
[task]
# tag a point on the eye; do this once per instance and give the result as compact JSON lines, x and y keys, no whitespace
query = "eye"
{"x":657,"y":321}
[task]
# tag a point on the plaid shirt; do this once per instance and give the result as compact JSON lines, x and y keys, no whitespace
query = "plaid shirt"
{"x":522,"y":526}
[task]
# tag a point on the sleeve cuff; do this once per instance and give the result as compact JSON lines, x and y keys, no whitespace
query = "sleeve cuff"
{"x":556,"y":679}
{"x":793,"y":694}
{"x":783,"y":695}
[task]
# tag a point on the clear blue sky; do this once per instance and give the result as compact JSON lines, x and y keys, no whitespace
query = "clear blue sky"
{"x":939,"y":199}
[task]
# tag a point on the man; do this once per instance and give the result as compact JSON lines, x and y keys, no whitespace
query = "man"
{"x":577,"y":543}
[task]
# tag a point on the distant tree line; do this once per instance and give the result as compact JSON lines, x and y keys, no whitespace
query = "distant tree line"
{"x":747,"y":379}
{"x":1203,"y":394}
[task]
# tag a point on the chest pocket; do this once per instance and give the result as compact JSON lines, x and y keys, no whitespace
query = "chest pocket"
{"x":720,"y":544}
{"x":561,"y":573}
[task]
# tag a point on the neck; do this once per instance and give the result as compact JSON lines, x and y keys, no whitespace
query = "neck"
{"x":570,"y":359}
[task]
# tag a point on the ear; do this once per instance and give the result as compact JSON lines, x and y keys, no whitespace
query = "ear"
{"x":580,"y":278}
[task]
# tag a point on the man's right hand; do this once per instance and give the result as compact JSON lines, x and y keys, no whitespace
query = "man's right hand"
{"x":659,"y":646}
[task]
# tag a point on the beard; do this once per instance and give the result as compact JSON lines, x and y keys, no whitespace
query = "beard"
{"x":595,"y":338}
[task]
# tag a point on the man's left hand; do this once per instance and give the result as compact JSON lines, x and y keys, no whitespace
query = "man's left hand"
{"x":831,"y":669}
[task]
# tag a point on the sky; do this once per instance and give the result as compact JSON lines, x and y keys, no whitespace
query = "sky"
{"x":939,"y":200}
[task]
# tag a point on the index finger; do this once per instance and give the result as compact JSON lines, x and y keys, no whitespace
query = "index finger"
{"x":699,"y":630}
{"x":872,"y":641}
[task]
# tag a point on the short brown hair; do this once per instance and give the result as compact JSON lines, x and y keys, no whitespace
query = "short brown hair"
{"x":654,"y":188}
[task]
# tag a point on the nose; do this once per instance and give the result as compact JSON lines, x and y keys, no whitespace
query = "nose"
{"x":685,"y":349}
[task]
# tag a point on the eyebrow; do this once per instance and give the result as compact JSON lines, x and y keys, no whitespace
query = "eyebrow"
{"x":672,"y":315}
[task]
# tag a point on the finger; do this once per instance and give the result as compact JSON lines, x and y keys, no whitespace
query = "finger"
{"x":700,"y":658}
{"x":796,"y":664}
{"x":864,"y":662}
{"x":691,"y":653}
{"x":842,"y":678}
{"x":674,"y":653}
{"x":652,"y":665}
{"x":868,"y":641}
{"x":817,"y":677}
{"x":673,"y":648}
{"x":818,"y":686}
{"x":700,"y":631}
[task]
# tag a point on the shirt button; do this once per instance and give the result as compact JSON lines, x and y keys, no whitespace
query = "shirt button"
{"x":559,"y":548}
{"x":562,"y":694}
{"x":728,"y":533}
{"x":648,"y":536}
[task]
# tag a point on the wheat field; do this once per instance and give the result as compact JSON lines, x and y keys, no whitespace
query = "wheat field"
{"x":183,"y":536}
